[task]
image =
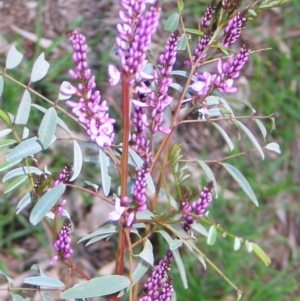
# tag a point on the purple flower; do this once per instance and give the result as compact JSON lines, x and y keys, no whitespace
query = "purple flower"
{"x":90,"y":110}
{"x":117,"y":213}
{"x":135,"y":33}
{"x":205,"y":83}
{"x":160,"y":99}
{"x":156,"y":287}
{"x":62,"y":244}
{"x":210,"y":10}
{"x":234,"y":28}
{"x":65,"y":175}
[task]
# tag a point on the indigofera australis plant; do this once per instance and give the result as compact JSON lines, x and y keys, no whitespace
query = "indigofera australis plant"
{"x":148,"y":87}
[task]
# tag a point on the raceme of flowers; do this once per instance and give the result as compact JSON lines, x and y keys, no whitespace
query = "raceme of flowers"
{"x":198,"y":207}
{"x":62,"y":244}
{"x":90,"y":110}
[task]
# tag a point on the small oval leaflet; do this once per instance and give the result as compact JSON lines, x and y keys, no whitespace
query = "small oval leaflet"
{"x":5,"y":132}
{"x":14,"y":58}
{"x":147,"y":253}
{"x":40,"y":68}
{"x":44,"y":281}
{"x":237,"y":244}
{"x":261,"y":254}
{"x":105,"y":177}
{"x":273,"y":146}
{"x":212,"y":235}
{"x":182,"y":42}
{"x":45,"y":203}
{"x":24,"y":109}
{"x":97,"y":287}
{"x":48,"y":127}
{"x":172,"y":23}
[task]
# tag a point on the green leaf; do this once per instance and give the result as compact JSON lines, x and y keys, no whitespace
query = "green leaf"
{"x":212,"y":100}
{"x":199,"y":228}
{"x":21,"y":171}
{"x":273,"y":146}
{"x":140,"y":271}
{"x":47,"y":127}
{"x":237,"y":243}
{"x":262,"y":128}
{"x":183,"y":74}
{"x":26,"y":148}
{"x":108,"y":229}
{"x":62,"y":96}
{"x":105,"y":177}
{"x":1,"y":85}
{"x":249,"y":246}
{"x":180,"y":5}
{"x":261,"y":254}
{"x":17,"y":297}
{"x":182,"y":42}
{"x":44,"y":281}
{"x":95,"y":186}
{"x":15,"y":183}
{"x":172,"y":23}
{"x":250,"y":136}
{"x":177,"y":243}
{"x":5,"y":132}
{"x":7,"y":165}
{"x":97,"y":287}
{"x":14,"y":58}
{"x":40,"y":68}
{"x":25,"y":133}
{"x":224,"y":135}
{"x":4,"y":116}
{"x":147,"y":253}
{"x":24,"y":202}
{"x":60,"y":122}
{"x":194,"y":31}
{"x":45,"y":203}
{"x":7,"y":142}
{"x":242,"y":181}
{"x":212,"y":235}
{"x":209,"y":174}
{"x":24,"y":109}
{"x":77,"y":162}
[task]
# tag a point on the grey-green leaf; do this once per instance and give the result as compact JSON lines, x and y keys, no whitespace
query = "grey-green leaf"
{"x":44,"y":281}
{"x":224,"y":135}
{"x":5,"y":132}
{"x":24,"y":202}
{"x":26,"y":148}
{"x":14,"y":58}
{"x":250,"y":136}
{"x":273,"y":146}
{"x":180,"y":267}
{"x":108,"y":229}
{"x":242,"y":181}
{"x":97,"y":287}
{"x":77,"y":162}
{"x":21,"y":171}
{"x":40,"y":68}
{"x":172,"y":22}
{"x":105,"y":177}
{"x":140,"y":271}
{"x":7,"y":142}
{"x":17,"y":297}
{"x":147,"y":253}
{"x":262,"y":128}
{"x":237,"y":243}
{"x":45,"y":203}
{"x":24,"y":109}
{"x":182,"y":42}
{"x":212,"y":235}
{"x":47,"y":127}
{"x":7,"y":165}
{"x":15,"y":183}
